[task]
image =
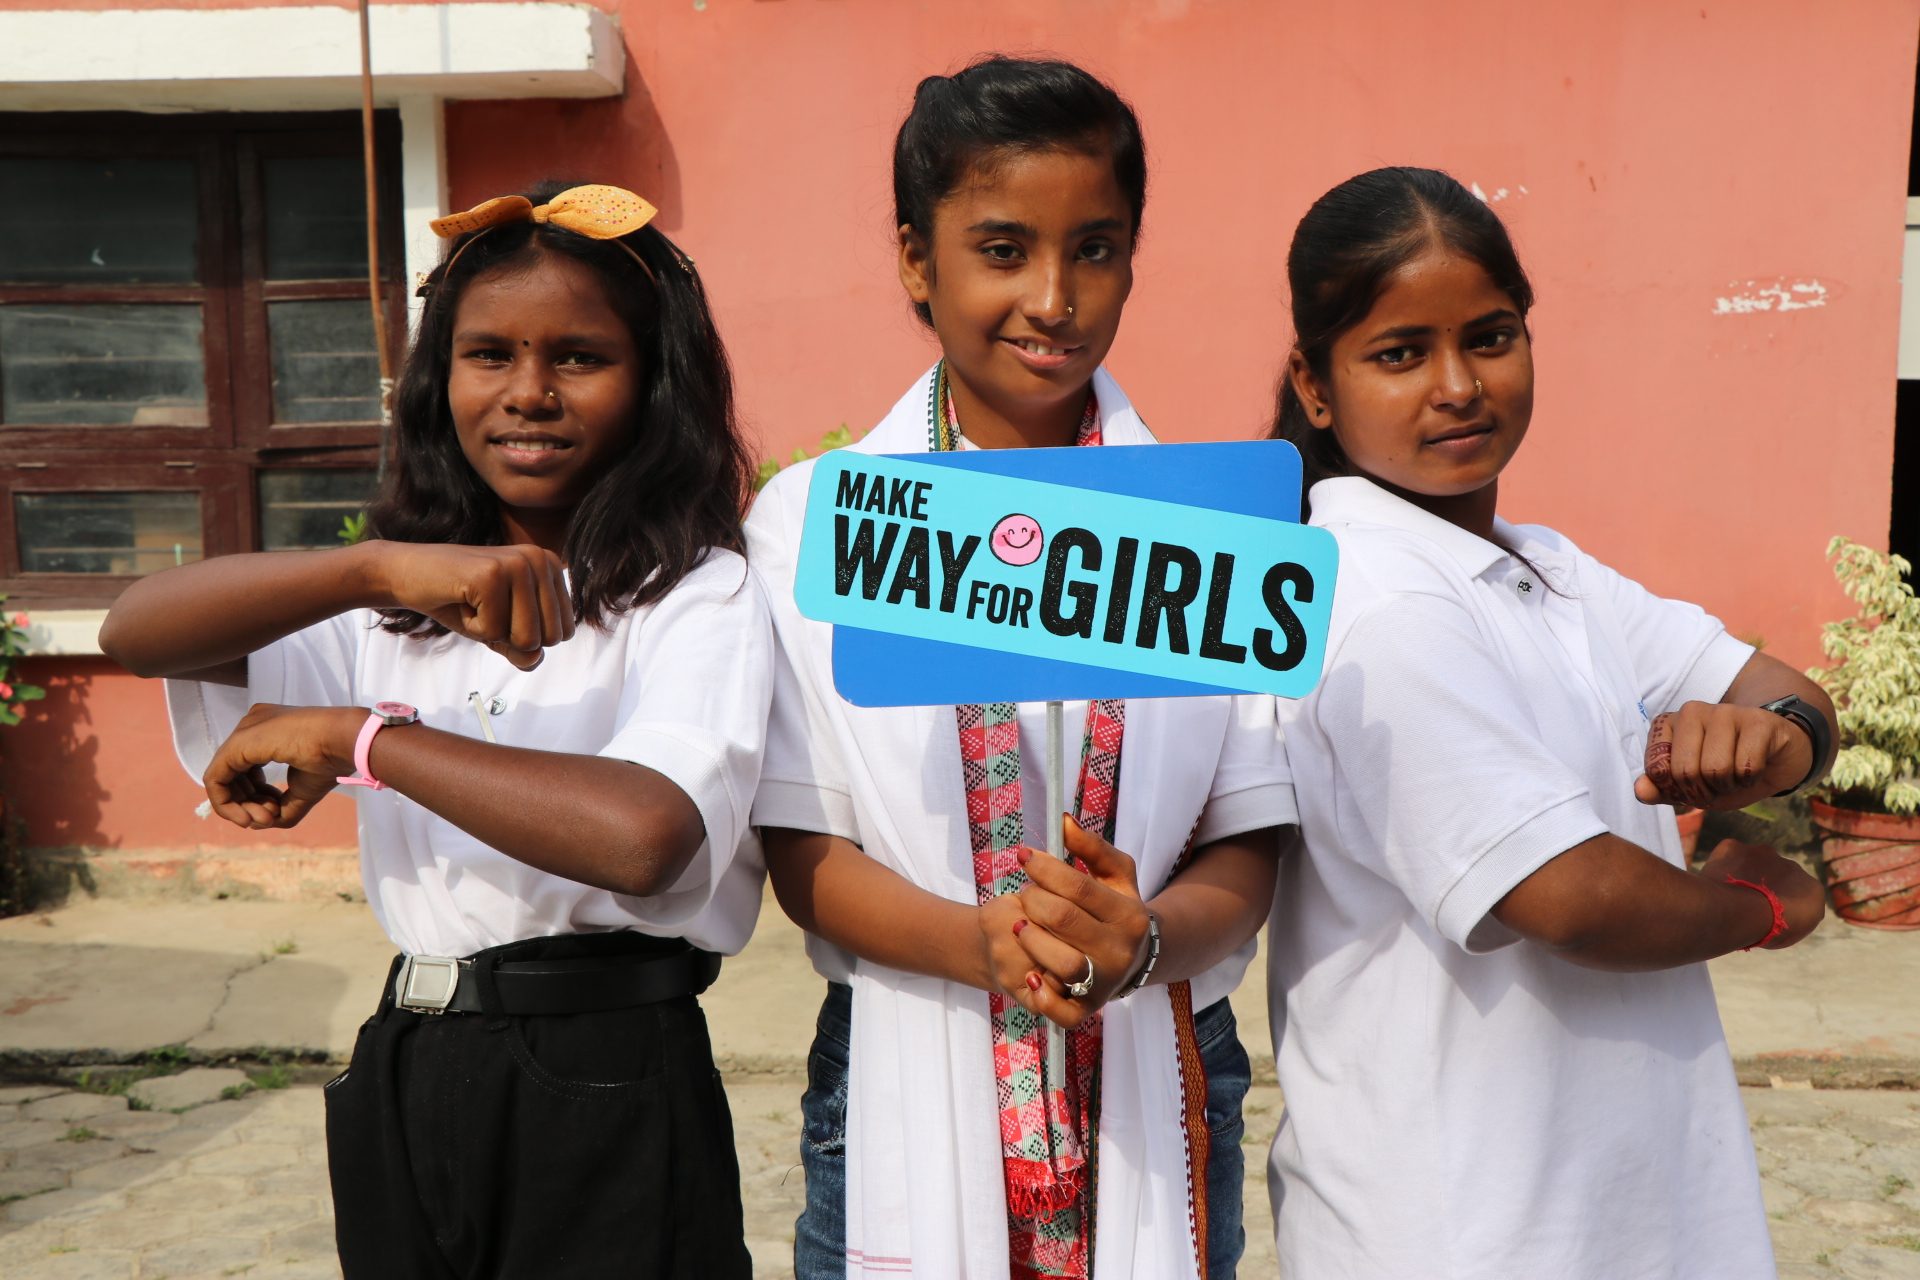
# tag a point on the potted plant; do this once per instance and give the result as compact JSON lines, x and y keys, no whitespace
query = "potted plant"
{"x":1869,"y":808}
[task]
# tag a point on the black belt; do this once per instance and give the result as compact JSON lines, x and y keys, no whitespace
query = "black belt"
{"x":445,"y":984}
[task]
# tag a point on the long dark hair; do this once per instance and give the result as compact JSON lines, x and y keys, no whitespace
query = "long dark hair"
{"x":679,"y":489}
{"x":1015,"y":105}
{"x":1352,"y":240}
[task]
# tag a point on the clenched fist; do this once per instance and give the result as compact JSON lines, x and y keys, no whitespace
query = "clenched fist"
{"x":514,"y":600}
{"x":1715,"y":755}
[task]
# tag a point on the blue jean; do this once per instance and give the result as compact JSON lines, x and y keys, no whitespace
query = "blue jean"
{"x":820,"y":1234}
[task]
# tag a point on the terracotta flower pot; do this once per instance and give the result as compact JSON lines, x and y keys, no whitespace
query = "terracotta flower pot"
{"x":1873,"y":865}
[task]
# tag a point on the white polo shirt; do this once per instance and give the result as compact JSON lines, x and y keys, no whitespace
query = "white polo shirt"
{"x":681,"y":686}
{"x":1462,"y":1103}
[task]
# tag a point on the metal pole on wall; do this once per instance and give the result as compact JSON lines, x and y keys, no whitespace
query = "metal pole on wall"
{"x":373,"y":238}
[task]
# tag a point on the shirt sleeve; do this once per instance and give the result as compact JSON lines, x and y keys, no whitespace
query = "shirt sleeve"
{"x":315,"y":667}
{"x":1459,"y":796}
{"x":804,"y":784}
{"x":1252,"y":788}
{"x":1680,"y":652}
{"x":693,"y":707}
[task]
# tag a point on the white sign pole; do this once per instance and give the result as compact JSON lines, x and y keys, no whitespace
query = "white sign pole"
{"x":1056,"y":845}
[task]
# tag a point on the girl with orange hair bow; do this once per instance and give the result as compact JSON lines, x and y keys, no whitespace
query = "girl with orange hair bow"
{"x":569,"y":676}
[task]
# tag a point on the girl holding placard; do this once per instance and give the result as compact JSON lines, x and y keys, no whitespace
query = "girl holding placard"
{"x":935,"y":1142}
{"x":1493,"y":1026}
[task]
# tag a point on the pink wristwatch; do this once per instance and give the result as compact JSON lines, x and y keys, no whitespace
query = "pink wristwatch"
{"x":382,"y":715}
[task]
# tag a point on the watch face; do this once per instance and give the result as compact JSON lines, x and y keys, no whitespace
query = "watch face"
{"x":395,"y":712}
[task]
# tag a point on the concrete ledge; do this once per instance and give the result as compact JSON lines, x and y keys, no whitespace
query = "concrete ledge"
{"x":1781,"y":1071}
{"x":64,"y":633}
{"x":111,"y":978}
{"x":57,"y":876}
{"x":297,"y":59}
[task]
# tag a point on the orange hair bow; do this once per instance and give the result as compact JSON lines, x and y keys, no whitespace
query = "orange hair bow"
{"x":600,"y":213}
{"x":597,"y":212}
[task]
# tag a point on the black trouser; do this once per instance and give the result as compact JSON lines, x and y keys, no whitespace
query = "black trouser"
{"x":589,"y":1144}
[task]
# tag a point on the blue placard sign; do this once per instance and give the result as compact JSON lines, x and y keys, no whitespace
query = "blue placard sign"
{"x":1026,"y":575}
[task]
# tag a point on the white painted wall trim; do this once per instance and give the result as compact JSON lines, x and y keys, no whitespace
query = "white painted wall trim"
{"x":423,"y":188}
{"x":1910,"y":296}
{"x":299,"y":59}
{"x":64,"y":633}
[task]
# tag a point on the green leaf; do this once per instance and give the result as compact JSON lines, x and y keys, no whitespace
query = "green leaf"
{"x":840,"y":437}
{"x":1873,"y":677}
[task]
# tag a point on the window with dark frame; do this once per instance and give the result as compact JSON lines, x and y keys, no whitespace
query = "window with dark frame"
{"x":187,"y":362}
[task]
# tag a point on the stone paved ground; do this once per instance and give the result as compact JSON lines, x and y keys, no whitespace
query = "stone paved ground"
{"x":94,"y":1189}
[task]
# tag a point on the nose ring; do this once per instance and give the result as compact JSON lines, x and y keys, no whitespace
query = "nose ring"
{"x":1069,"y":310}
{"x":555,"y":395}
{"x":1478,"y":390}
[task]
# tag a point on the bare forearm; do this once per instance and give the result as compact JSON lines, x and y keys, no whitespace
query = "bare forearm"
{"x":200,"y":616}
{"x":1609,"y":904}
{"x":1215,"y":904}
{"x":830,"y":887}
{"x":607,"y":823}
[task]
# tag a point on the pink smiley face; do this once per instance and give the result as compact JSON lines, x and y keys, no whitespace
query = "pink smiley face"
{"x":1017,"y":540}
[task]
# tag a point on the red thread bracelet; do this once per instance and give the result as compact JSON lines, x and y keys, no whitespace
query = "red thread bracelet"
{"x":1773,"y":900}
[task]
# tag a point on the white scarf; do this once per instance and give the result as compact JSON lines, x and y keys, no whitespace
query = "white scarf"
{"x":926,"y":1195}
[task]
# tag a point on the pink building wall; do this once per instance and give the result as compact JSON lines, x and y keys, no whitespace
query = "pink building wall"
{"x":1671,"y":173}
{"x":94,"y":768}
{"x":1666,"y":168}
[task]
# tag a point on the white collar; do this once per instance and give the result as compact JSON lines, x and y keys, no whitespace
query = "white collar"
{"x":1359,"y":500}
{"x":904,"y":429}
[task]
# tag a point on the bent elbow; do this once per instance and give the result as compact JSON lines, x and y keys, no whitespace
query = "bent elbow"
{"x":1570,"y":939}
{"x":1566,"y":932}
{"x":112,"y":641}
{"x":648,"y":863}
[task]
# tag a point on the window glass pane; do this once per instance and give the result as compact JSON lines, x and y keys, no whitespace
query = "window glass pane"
{"x":303,"y":510}
{"x":119,"y":533}
{"x":316,"y":218}
{"x":93,"y":221}
{"x":140,"y":366}
{"x":324,"y":366}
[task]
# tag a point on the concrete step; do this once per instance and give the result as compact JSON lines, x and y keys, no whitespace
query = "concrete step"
{"x":113,"y":979}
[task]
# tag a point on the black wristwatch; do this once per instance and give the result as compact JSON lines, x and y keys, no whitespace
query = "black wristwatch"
{"x":1808,"y":717}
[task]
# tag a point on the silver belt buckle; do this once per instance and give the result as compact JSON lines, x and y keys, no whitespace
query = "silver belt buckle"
{"x":426,"y":983}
